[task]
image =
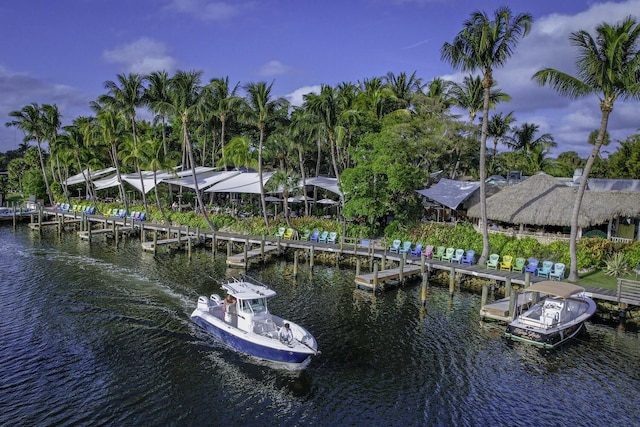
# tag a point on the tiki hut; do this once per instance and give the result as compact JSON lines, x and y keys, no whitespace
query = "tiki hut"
{"x":545,"y":201}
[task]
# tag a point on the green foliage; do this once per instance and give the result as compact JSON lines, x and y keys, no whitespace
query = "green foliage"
{"x":33,"y":183}
{"x":616,"y":265}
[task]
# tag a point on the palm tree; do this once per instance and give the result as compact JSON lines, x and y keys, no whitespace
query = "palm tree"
{"x":186,"y":90}
{"x":499,"y":126}
{"x":51,"y":122}
{"x":31,"y":122}
{"x":159,"y":101}
{"x":524,"y":139}
{"x":470,"y":96}
{"x":485,"y":45}
{"x":289,"y":182}
{"x":403,"y":87}
{"x":240,"y":153}
{"x":227,"y":104}
{"x":125,"y":96}
{"x":609,"y":67}
{"x":111,"y":127}
{"x":325,"y":106}
{"x":261,"y":109}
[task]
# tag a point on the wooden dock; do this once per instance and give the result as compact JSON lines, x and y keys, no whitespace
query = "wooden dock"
{"x":380,"y":279}
{"x":378,"y":256}
{"x":500,"y":309}
{"x":240,"y":261}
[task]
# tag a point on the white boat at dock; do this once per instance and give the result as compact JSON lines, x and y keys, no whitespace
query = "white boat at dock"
{"x":243,"y":322}
{"x":556,"y":318}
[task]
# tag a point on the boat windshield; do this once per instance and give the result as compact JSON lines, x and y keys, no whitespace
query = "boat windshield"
{"x":256,"y":305}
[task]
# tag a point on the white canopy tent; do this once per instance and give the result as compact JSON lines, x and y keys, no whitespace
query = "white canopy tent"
{"x":246,"y":182}
{"x":330,"y":184}
{"x":204,"y":179}
{"x":81,"y":177}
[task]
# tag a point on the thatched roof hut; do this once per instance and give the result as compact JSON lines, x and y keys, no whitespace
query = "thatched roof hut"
{"x":543,"y":200}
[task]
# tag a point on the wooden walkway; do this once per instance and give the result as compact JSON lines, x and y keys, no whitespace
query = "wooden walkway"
{"x":413,"y":265}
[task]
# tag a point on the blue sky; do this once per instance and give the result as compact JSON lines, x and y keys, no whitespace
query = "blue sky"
{"x":63,"y":51}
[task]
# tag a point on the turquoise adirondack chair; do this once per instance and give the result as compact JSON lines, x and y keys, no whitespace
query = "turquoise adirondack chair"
{"x":545,"y":270}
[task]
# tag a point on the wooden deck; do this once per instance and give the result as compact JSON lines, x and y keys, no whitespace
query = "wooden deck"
{"x":413,"y":265}
{"x":240,"y":261}
{"x":378,"y":279}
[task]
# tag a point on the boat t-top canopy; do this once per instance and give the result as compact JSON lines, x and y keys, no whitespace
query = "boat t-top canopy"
{"x":246,"y":290}
{"x":560,"y":289}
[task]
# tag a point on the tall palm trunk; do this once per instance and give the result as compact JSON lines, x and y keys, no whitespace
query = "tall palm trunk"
{"x":44,"y":172}
{"x":486,"y":81}
{"x":262,"y":196}
{"x":187,"y":144}
{"x":573,"y":252}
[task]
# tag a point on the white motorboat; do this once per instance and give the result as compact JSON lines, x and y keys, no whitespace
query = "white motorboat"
{"x":556,"y":318}
{"x":243,"y":322}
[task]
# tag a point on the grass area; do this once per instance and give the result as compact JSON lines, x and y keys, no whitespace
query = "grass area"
{"x":600,"y":280}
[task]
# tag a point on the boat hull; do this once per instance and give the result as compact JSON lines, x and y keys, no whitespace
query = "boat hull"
{"x":250,"y":344}
{"x":539,"y":334}
{"x":541,"y":339}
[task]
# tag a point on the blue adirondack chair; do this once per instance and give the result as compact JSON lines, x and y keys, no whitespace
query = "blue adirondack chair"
{"x":532,"y":266}
{"x":417,"y":251}
{"x":406,"y":247}
{"x":545,"y":270}
{"x":457,"y":256}
{"x":332,"y":237}
{"x":469,"y":258}
{"x":314,"y":236}
{"x":395,"y":246}
{"x":323,"y":237}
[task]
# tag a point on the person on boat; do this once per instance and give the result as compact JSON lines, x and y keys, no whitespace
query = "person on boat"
{"x":229,"y":308}
{"x":285,"y":335}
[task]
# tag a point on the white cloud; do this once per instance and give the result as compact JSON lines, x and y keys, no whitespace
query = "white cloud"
{"x":296,"y":97}
{"x":204,"y":10}
{"x":273,"y":68}
{"x":143,"y":56}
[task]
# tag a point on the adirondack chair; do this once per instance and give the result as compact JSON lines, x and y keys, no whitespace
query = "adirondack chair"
{"x":323,"y":237}
{"x":492,"y":262}
{"x":314,"y":236}
{"x":405,"y":248}
{"x":469,"y":258}
{"x":457,"y":256}
{"x":395,"y":246}
{"x":545,"y":270}
{"x":506,"y":263}
{"x":280,"y":232}
{"x":439,"y":253}
{"x":532,"y":266}
{"x":448,"y":254}
{"x":306,"y":234}
{"x":428,"y":251}
{"x":519,"y":265}
{"x":557,"y":272}
{"x":332,"y":237}
{"x":141,"y":216}
{"x":417,"y":250}
{"x":289,"y":233}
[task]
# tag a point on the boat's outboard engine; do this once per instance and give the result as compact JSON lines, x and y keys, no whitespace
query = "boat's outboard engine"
{"x":203,"y":303}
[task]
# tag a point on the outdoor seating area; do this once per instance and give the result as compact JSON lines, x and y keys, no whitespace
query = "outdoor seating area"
{"x":86,"y":209}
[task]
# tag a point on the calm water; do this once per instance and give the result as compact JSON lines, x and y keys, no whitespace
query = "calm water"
{"x":94,"y":335}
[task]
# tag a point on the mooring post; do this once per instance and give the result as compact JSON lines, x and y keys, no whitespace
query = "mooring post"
{"x":422,"y":263}
{"x":452,"y":281}
{"x":246,"y":250}
{"x":358,"y":262}
{"x":116,"y":230}
{"x":15,"y":218}
{"x":402,"y":261}
{"x":295,"y":264}
{"x":485,"y":295}
{"x":155,"y":241}
{"x":311,"y":261}
{"x":425,"y":284}
{"x":214,"y":245}
{"x":189,"y":247}
{"x":375,"y":276}
{"x":262,"y":239}
{"x":278,"y":245}
{"x":507,"y":287}
{"x":512,"y":303}
{"x":527,"y":279}
{"x":384,"y":260}
{"x":228,"y":248}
